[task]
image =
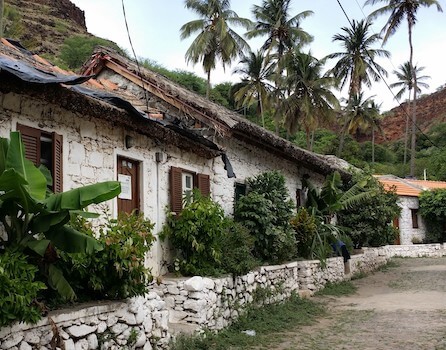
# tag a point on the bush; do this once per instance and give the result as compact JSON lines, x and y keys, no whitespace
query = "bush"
{"x":266,"y":211}
{"x":305,"y":227}
{"x":196,"y":234}
{"x":18,"y":289}
{"x":433,"y":210}
{"x":118,"y":270}
{"x":237,"y":246}
{"x":369,"y":224}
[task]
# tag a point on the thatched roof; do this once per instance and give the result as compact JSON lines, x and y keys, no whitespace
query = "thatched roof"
{"x":224,"y":121}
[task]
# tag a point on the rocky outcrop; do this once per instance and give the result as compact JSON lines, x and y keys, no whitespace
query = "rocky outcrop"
{"x":431,"y":110}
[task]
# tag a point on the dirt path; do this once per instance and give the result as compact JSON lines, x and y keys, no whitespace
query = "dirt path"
{"x":403,"y":307}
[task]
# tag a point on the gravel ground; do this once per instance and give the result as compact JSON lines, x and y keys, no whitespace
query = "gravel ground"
{"x":402,"y":307}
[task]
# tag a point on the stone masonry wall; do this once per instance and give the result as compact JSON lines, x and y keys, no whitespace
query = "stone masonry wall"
{"x":139,"y":323}
{"x":196,"y":302}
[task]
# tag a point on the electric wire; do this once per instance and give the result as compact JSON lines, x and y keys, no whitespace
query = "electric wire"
{"x":134,"y":55}
{"x":388,"y":87}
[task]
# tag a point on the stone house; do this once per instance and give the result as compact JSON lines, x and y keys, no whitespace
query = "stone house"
{"x":120,"y":121}
{"x":412,"y":228}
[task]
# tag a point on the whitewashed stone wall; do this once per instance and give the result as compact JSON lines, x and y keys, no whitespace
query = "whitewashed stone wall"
{"x":139,"y":323}
{"x":407,"y":232}
{"x":313,"y":276}
{"x":415,"y":250}
{"x":369,"y":260}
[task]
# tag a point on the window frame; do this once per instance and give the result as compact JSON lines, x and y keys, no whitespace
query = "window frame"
{"x":415,"y":221}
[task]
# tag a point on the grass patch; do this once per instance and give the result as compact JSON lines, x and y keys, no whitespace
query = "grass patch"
{"x":265,"y":321}
{"x":359,"y":275}
{"x":338,"y":289}
{"x":391,"y":264}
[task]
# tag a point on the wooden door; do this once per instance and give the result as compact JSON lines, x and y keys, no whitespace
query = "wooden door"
{"x":128,"y":175}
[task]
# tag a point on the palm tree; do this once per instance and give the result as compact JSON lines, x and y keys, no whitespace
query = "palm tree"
{"x":406,"y":83}
{"x":356,"y":63}
{"x":398,"y":10}
{"x":215,"y":39}
{"x":254,"y":87}
{"x":311,"y":100}
{"x":360,"y":114}
{"x":283,"y":32}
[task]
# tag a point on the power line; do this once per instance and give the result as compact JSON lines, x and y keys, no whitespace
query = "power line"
{"x":134,"y":55}
{"x":387,"y":85}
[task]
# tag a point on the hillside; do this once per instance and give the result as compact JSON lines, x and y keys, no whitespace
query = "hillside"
{"x":431,"y":110}
{"x":43,"y":25}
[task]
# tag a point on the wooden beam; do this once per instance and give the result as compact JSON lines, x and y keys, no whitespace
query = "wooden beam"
{"x":158,"y":91}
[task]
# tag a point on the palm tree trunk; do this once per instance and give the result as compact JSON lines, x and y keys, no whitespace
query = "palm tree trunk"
{"x":373,"y":144}
{"x":307,"y":134}
{"x":261,"y":111}
{"x":342,"y":138}
{"x":208,"y":85}
{"x":414,"y":105}
{"x":1,"y":18}
{"x":312,"y":141}
{"x":406,"y":135}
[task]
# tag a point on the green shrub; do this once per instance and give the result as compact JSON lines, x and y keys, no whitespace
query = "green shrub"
{"x":196,"y":234}
{"x":237,"y":246}
{"x":433,"y":210}
{"x":266,"y":211}
{"x":305,"y":227}
{"x":18,"y":288}
{"x":118,"y":271}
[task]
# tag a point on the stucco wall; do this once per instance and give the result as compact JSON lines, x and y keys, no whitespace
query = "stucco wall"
{"x":407,"y":232}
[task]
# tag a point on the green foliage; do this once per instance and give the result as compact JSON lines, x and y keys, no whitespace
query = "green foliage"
{"x":18,"y":288}
{"x":35,"y":219}
{"x":117,"y":271}
{"x":433,"y":210}
{"x":12,"y":24}
{"x":266,"y":211}
{"x":196,"y":234}
{"x":369,"y":224}
{"x":305,"y":226}
{"x":237,"y":246}
{"x":77,"y":49}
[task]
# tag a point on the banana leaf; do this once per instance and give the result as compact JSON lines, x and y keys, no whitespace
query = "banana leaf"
{"x":57,"y":281}
{"x":71,"y":241}
{"x":15,"y":159}
{"x":39,"y":246}
{"x":79,"y":198}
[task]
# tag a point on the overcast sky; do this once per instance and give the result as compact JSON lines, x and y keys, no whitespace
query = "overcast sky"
{"x":154,"y":29}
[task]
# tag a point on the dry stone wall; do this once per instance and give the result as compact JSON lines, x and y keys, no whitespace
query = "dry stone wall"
{"x":139,"y":323}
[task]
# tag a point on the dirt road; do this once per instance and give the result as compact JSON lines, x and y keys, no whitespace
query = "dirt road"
{"x":402,"y":307}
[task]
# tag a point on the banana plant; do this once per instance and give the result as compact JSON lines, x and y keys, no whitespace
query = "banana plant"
{"x":35,"y":219}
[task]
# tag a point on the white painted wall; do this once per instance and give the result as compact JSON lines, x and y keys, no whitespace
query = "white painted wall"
{"x":91,"y":147}
{"x":407,"y":232}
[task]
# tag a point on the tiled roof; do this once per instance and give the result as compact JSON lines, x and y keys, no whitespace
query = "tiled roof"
{"x":408,"y":187}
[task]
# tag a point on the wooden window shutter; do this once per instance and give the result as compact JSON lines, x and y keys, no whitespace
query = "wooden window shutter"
{"x":57,"y":163}
{"x":31,"y":141}
{"x":176,"y":191}
{"x":204,"y":184}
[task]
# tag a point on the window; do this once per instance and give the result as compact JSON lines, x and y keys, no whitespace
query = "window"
{"x":44,"y":148}
{"x":298,"y":198}
{"x":414,"y":213}
{"x":182,"y":181}
{"x":240,"y":190}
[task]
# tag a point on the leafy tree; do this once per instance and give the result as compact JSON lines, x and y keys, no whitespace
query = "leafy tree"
{"x":34,"y":220}
{"x":254,"y":89}
{"x":406,"y":83}
{"x":398,"y":10}
{"x":311,"y":100}
{"x":266,"y":211}
{"x":216,"y":40}
{"x":77,"y":49}
{"x":433,"y":210}
{"x":369,"y":223}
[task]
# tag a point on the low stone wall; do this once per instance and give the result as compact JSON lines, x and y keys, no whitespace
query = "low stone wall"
{"x":416,"y":250}
{"x":197,"y":302}
{"x":139,"y":323}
